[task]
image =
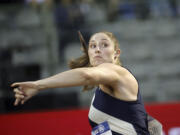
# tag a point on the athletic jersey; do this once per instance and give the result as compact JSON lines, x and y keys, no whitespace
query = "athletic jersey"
{"x":123,"y":117}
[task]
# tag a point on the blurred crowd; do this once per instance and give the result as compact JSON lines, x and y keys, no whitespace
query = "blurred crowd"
{"x":68,"y":16}
{"x":71,"y":15}
{"x":142,"y":9}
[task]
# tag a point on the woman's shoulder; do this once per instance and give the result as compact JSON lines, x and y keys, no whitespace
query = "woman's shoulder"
{"x":112,"y":66}
{"x":123,"y":74}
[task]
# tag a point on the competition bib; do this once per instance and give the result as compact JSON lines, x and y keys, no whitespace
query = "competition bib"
{"x":102,"y":129}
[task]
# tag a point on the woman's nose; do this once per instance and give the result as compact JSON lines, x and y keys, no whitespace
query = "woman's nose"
{"x":97,"y":50}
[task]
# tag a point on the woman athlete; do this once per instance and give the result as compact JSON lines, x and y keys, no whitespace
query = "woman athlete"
{"x":117,"y":100}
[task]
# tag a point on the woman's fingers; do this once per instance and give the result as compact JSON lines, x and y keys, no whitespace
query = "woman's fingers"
{"x":19,"y":91}
{"x":17,"y":101}
{"x":19,"y":96}
{"x":15,"y":84}
{"x":16,"y":90}
{"x":22,"y":101}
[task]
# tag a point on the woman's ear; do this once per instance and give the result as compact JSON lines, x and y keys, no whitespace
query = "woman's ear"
{"x":117,"y":53}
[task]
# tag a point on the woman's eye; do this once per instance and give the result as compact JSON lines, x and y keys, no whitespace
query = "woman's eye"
{"x":105,"y":45}
{"x":93,"y":46}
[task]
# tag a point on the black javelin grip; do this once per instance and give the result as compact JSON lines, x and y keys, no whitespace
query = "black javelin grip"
{"x":83,"y":43}
{"x":15,"y":87}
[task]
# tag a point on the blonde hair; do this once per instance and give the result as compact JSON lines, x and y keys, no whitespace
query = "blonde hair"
{"x":83,"y":61}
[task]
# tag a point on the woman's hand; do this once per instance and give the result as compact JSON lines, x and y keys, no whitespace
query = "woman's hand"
{"x":24,"y":91}
{"x":154,"y":126}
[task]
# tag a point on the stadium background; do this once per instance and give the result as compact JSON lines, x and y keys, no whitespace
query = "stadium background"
{"x":39,"y":37}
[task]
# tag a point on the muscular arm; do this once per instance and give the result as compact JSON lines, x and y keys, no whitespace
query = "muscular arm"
{"x":106,"y":74}
{"x":103,"y":74}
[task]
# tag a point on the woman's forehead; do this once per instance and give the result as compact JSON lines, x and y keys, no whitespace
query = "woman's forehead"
{"x":99,"y":36}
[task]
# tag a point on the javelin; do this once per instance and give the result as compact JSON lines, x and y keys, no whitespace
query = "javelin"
{"x":83,"y":43}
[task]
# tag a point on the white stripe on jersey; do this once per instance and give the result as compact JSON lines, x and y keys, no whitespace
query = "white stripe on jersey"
{"x":115,"y":124}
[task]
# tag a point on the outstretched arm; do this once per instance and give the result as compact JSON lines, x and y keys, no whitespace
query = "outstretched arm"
{"x":103,"y":74}
{"x":80,"y":76}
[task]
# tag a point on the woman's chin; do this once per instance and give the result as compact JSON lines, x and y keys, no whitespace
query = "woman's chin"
{"x":98,"y":63}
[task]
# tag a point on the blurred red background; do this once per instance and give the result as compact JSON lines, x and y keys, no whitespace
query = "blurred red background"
{"x":75,"y":122}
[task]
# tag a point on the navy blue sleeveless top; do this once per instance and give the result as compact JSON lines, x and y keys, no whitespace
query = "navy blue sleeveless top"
{"x":124,"y":117}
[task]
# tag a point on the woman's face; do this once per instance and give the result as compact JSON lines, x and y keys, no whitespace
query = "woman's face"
{"x":101,"y":50}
